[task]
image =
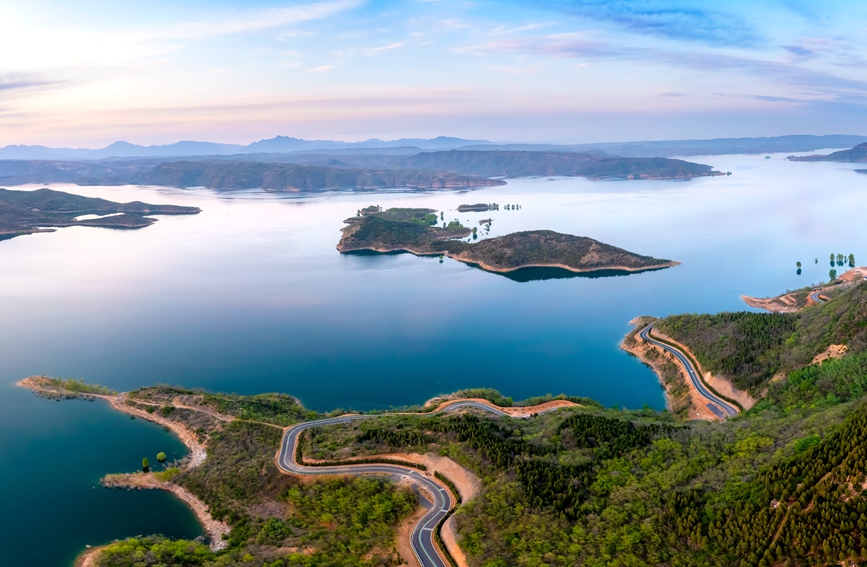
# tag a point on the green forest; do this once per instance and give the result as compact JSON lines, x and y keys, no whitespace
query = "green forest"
{"x":751,"y":348}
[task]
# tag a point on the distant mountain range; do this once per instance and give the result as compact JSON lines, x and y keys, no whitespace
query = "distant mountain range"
{"x":272,"y":149}
{"x":278,"y":145}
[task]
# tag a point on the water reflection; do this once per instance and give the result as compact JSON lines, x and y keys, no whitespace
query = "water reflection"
{"x":534,"y":274}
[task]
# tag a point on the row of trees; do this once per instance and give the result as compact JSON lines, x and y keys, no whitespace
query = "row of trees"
{"x":146,"y":464}
{"x":809,"y":506}
{"x":744,"y":346}
{"x":840,"y":259}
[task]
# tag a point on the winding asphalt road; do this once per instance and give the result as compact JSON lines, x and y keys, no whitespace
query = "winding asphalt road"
{"x":719,"y":407}
{"x":815,"y":297}
{"x":422,"y":538}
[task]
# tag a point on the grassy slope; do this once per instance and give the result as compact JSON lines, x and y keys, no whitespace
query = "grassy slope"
{"x":547,"y":247}
{"x":750,"y":348}
{"x":406,"y":229}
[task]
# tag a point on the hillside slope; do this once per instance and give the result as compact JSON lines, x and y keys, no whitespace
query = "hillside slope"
{"x":526,"y":164}
{"x":752,"y":348}
{"x":413,"y":230}
{"x":226,"y":175}
{"x":858,"y":154}
{"x":26,"y":212}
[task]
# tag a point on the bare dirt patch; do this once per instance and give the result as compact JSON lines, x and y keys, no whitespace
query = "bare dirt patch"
{"x":513,"y":411}
{"x":854,"y":275}
{"x":88,"y":557}
{"x":786,"y":303}
{"x":833,"y":351}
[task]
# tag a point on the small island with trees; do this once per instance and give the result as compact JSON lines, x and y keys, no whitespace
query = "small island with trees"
{"x":416,"y":231}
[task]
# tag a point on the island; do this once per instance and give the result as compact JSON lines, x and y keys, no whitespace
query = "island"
{"x":478,"y":208}
{"x":42,"y":210}
{"x":415,"y":231}
{"x":858,"y":154}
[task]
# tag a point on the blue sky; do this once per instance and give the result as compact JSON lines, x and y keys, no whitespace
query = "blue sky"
{"x":91,"y":72}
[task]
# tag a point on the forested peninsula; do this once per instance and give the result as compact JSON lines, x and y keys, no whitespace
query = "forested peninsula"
{"x":226,"y":175}
{"x":305,"y":172}
{"x":526,"y":164}
{"x":858,"y":154}
{"x":27,"y":212}
{"x":778,"y":484}
{"x":416,"y":231}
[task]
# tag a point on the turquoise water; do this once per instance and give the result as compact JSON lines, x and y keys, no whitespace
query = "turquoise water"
{"x":251,"y":296}
{"x":54,"y":454}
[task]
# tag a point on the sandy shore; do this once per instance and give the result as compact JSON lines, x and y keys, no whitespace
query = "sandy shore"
{"x":88,"y":557}
{"x":696,"y":403}
{"x":466,"y":483}
{"x":488,"y":268}
{"x":790,"y":303}
{"x":786,"y":303}
{"x":148,"y":481}
{"x":198,"y":454}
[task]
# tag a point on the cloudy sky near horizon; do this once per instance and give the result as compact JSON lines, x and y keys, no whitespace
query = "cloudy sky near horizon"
{"x":91,"y":72}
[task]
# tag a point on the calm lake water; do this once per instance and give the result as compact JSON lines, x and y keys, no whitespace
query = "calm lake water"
{"x":251,"y":296}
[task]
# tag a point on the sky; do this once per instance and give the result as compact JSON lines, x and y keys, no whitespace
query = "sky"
{"x":90,"y":72}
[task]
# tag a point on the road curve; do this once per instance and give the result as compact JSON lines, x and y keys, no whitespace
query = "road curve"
{"x":815,"y":297}
{"x":422,"y":538}
{"x":720,"y":408}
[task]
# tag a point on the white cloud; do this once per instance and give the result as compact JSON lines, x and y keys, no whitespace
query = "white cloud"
{"x":396,"y":45}
{"x":259,"y":20}
{"x":80,"y":47}
{"x":321,"y":69}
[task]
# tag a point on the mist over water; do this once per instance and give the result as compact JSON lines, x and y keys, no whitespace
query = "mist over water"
{"x":252,"y":296}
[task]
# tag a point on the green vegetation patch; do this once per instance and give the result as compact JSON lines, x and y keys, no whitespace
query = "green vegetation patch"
{"x":346,"y":519}
{"x":79,"y":387}
{"x":333,"y":522}
{"x":827,"y":384}
{"x":594,"y":487}
{"x":751,"y":348}
{"x":278,"y":409}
